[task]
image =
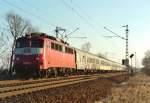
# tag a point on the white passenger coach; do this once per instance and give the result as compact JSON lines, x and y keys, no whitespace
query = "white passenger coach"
{"x":88,"y":61}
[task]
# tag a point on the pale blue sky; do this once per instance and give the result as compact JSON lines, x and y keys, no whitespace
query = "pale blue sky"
{"x":90,"y":16}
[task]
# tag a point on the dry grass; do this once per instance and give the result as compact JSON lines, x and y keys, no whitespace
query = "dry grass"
{"x":136,"y":90}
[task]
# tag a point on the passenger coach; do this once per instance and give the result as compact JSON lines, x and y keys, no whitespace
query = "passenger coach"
{"x":90,"y":62}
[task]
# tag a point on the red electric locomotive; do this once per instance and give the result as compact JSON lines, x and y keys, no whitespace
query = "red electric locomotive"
{"x":38,"y":54}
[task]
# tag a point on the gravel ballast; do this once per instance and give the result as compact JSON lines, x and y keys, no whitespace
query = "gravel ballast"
{"x":86,"y":92}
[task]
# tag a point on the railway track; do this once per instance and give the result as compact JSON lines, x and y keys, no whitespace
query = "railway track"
{"x":25,"y":82}
{"x":22,"y":87}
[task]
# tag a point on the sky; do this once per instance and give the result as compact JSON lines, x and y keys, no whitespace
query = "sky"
{"x":90,"y":16}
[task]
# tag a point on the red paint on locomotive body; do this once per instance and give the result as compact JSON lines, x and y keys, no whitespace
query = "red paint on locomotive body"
{"x":56,"y":56}
{"x":41,"y":52}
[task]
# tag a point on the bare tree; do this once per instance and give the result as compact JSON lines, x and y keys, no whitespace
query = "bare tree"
{"x":4,"y":51}
{"x":31,"y":29}
{"x":17,"y":27}
{"x":86,"y":46}
{"x":101,"y":55}
{"x":146,"y":62}
{"x":5,"y":60}
{"x":146,"y":59}
{"x":1,"y":40}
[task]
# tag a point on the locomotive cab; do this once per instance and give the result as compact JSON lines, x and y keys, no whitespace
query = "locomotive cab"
{"x":29,"y":54}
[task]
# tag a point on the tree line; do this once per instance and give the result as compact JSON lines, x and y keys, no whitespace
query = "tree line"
{"x":15,"y":27}
{"x":146,"y":63}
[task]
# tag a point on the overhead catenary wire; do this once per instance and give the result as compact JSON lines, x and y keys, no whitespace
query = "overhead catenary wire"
{"x":71,"y":32}
{"x":88,"y":17}
{"x":41,"y":19}
{"x":116,"y":35}
{"x":44,"y":12}
{"x":79,"y":15}
{"x":37,"y":9}
{"x":30,"y":5}
{"x":92,"y":22}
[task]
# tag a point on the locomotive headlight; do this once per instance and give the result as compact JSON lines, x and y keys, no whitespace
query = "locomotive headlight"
{"x":17,"y":58}
{"x":39,"y":58}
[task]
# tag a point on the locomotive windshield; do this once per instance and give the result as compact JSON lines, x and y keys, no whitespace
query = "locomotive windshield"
{"x":37,"y":43}
{"x":23,"y":42}
{"x":33,"y":42}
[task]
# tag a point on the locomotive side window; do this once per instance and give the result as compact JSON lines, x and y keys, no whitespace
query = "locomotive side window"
{"x":52,"y":46}
{"x":63,"y":48}
{"x":71,"y":51}
{"x":56,"y":46}
{"x":68,"y":50}
{"x":59,"y":47}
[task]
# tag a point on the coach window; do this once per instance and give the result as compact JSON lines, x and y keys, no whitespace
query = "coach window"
{"x":80,"y":59}
{"x":102,"y":62}
{"x":88,"y":60}
{"x":97,"y":61}
{"x":93,"y":60}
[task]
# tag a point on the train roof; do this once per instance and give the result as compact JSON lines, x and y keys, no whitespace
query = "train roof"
{"x":97,"y":56}
{"x":44,"y":35}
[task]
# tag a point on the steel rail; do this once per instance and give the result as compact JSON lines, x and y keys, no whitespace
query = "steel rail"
{"x":19,"y":87}
{"x":28,"y":88}
{"x":24,"y":82}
